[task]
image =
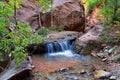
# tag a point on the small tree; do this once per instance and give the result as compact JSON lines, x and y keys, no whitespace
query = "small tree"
{"x":46,"y":5}
{"x":13,"y":43}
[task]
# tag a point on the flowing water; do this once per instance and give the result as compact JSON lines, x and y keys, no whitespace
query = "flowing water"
{"x":61,"y":48}
{"x":62,"y":63}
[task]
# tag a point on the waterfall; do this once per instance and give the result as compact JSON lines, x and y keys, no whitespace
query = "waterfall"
{"x":61,"y":48}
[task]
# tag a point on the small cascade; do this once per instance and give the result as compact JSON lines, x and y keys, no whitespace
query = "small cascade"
{"x":61,"y":48}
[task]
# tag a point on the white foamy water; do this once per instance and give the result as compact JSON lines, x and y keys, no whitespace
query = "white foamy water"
{"x":67,"y":53}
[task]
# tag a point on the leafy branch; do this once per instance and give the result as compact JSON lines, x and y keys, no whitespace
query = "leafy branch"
{"x":13,"y":43}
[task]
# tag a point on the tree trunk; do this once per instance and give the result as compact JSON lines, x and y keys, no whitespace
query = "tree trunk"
{"x":39,"y":20}
{"x":39,"y":16}
{"x":115,"y":9}
{"x":15,"y":14}
{"x":51,"y":14}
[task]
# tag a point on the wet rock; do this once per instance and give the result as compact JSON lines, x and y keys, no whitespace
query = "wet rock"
{"x":52,"y":39}
{"x":94,"y":54}
{"x":113,"y":78}
{"x":71,"y":77}
{"x":37,"y":76}
{"x":82,"y":71}
{"x":110,"y":51}
{"x":77,"y":49}
{"x":101,"y":74}
{"x":105,"y":59}
{"x":69,"y":14}
{"x":102,"y":55}
{"x":63,"y":70}
{"x":52,"y":78}
{"x":36,"y":49}
{"x":89,"y":74}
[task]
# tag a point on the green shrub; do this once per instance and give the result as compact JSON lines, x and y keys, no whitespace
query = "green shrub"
{"x":53,"y":28}
{"x":117,"y":58}
{"x":106,"y":38}
{"x":60,"y":28}
{"x":91,"y":4}
{"x":42,"y":31}
{"x":116,"y":23}
{"x":14,"y":43}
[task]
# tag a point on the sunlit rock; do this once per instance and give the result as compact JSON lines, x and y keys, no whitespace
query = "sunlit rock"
{"x":101,"y":74}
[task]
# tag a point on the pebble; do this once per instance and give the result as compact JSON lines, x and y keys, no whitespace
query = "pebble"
{"x":101,"y":74}
{"x":62,"y":70}
{"x":52,"y":78}
{"x":71,"y":77}
{"x":82,"y":72}
{"x":101,"y":55}
{"x":89,"y":74}
{"x":110,"y":50}
{"x":106,"y":50}
{"x":113,"y":78}
{"x":105,"y":59}
{"x":94,"y":54}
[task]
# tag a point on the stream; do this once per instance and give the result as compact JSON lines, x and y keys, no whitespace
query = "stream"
{"x":62,"y":63}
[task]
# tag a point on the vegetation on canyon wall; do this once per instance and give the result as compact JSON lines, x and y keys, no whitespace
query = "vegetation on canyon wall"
{"x":109,"y":11}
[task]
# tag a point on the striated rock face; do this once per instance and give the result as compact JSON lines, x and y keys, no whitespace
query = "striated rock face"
{"x":45,"y":19}
{"x":70,"y":14}
{"x":66,"y":13}
{"x":26,"y":10}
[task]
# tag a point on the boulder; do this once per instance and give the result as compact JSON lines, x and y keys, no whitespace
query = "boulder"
{"x":21,"y":72}
{"x":69,"y":14}
{"x":61,"y":35}
{"x":90,"y":40}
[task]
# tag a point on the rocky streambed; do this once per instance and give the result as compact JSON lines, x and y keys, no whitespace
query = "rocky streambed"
{"x":62,"y":68}
{"x":90,"y":63}
{"x":82,"y":67}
